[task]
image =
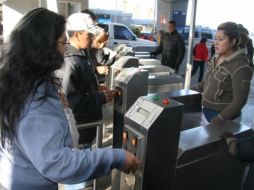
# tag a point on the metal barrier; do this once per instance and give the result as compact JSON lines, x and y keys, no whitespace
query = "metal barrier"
{"x":98,"y":140}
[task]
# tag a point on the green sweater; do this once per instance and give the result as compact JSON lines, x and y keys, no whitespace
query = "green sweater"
{"x":226,"y":86}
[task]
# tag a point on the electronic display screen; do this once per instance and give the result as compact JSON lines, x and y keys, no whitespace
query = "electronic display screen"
{"x":143,"y":112}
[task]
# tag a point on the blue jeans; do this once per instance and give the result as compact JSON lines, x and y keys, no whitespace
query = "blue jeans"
{"x":210,"y":114}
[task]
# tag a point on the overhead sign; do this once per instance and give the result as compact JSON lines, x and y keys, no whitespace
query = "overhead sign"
{"x":179,"y":17}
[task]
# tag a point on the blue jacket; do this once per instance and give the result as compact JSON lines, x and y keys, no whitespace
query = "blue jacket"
{"x":41,"y":154}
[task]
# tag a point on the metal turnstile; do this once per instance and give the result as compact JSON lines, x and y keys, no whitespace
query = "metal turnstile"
{"x":198,"y":159}
{"x":192,"y":105}
{"x":151,"y":132}
{"x":115,"y":69}
{"x":164,"y":83}
{"x":161,"y":78}
{"x":204,"y":162}
{"x":158,"y":69}
{"x":130,"y":84}
{"x":148,"y":61}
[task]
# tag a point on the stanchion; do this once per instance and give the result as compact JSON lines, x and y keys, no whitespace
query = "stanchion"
{"x":98,"y":140}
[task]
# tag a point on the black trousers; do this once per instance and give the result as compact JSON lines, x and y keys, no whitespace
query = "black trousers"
{"x":195,"y":66}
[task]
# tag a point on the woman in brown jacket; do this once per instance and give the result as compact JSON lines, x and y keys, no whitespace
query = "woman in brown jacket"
{"x":228,"y":76}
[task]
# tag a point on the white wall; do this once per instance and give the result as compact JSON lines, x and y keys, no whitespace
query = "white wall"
{"x":165,"y":9}
{"x":13,"y":10}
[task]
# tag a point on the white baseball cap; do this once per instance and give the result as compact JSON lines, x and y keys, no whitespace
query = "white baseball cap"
{"x":80,"y":22}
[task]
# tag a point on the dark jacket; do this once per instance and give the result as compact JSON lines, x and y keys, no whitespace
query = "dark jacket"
{"x":99,"y":58}
{"x":81,"y":88}
{"x":172,"y":50}
{"x":245,"y":153}
{"x":249,"y":46}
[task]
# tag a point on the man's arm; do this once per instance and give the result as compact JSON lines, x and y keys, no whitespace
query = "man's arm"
{"x":181,"y":52}
{"x":159,"y":48}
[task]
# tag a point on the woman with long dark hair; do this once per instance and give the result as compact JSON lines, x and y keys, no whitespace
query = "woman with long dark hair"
{"x":36,"y":147}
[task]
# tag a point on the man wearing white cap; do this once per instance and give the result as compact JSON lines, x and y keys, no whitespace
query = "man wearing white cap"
{"x":79,"y":79}
{"x":79,"y":82}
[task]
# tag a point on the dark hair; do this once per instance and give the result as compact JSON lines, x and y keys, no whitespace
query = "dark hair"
{"x":203,"y":40}
{"x":243,"y":30}
{"x":70,"y":33}
{"x":30,"y":59}
{"x":231,"y":30}
{"x":172,"y":22}
{"x":91,"y":13}
{"x":244,"y":33}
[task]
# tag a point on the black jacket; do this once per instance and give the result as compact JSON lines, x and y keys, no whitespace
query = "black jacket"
{"x":80,"y":85}
{"x":172,"y":49}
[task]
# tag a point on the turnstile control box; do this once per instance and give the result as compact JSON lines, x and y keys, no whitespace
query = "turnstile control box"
{"x":151,"y":133}
{"x":130,"y":84}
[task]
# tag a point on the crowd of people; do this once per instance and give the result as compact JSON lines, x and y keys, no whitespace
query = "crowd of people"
{"x":36,"y":150}
{"x":54,"y":65}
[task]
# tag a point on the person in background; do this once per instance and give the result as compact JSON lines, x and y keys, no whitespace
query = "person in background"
{"x":228,"y":76}
{"x":36,"y":146}
{"x":99,"y":55}
{"x":171,"y":47}
{"x":200,"y":53}
{"x":212,"y":51}
{"x":91,"y":14}
{"x":248,"y":45}
{"x":243,"y":149}
{"x":79,"y":81}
